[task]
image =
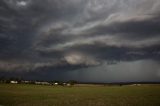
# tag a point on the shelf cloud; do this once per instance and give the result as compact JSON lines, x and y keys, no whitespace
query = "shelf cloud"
{"x":57,"y":38}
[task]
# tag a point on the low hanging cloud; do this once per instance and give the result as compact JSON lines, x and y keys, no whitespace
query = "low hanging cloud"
{"x":76,"y":58}
{"x":76,"y":34}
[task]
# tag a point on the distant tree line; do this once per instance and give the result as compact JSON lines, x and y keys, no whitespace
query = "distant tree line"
{"x":8,"y":80}
{"x":21,"y":80}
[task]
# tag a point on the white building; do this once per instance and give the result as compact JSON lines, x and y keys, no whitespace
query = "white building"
{"x":55,"y":83}
{"x":14,"y":82}
{"x":42,"y":83}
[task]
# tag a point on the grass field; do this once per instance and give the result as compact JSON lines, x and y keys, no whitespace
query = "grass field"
{"x":39,"y":95}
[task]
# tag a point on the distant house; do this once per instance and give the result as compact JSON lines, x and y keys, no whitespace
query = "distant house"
{"x":26,"y":82}
{"x":56,"y":83}
{"x":42,"y":83}
{"x":136,"y":85}
{"x":37,"y":82}
{"x":14,"y":82}
{"x":68,"y":84}
{"x":45,"y":83}
{"x":64,"y":84}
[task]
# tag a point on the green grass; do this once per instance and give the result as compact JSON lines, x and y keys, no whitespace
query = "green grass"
{"x":39,"y":95}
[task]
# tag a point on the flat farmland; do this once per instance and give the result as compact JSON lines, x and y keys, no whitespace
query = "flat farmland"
{"x":41,"y":95}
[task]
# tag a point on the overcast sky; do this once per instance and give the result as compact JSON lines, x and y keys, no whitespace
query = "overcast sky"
{"x":84,"y":40}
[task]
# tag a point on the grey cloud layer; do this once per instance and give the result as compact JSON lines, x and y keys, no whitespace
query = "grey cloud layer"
{"x":75,"y":34}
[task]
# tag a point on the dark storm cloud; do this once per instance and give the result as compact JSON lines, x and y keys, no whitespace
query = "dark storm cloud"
{"x":47,"y":36}
{"x":139,"y":29}
{"x":114,"y":53}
